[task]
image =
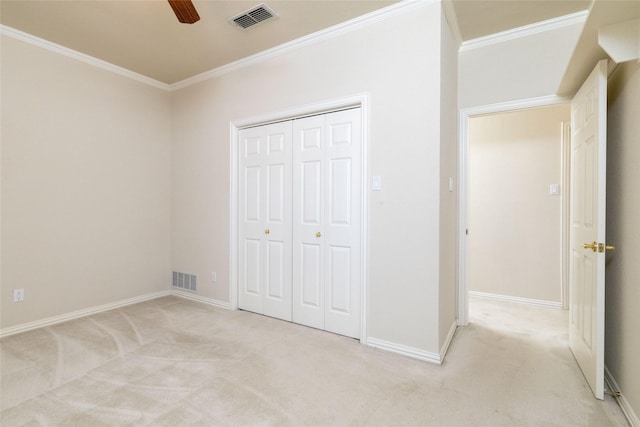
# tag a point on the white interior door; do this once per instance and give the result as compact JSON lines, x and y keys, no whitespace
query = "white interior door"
{"x":264,"y":261}
{"x":342,"y":223}
{"x":326,"y":222}
{"x":308,"y":221}
{"x":587,"y":231}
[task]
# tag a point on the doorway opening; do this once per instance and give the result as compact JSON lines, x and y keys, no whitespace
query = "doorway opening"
{"x":513,"y":224}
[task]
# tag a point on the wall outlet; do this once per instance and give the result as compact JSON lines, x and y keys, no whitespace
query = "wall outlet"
{"x":18,"y":295}
{"x":214,"y":277}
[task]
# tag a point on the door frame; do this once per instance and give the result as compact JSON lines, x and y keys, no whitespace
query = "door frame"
{"x":463,"y":193}
{"x":354,"y":101}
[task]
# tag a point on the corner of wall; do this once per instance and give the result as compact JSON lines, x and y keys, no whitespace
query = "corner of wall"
{"x":448,"y":178}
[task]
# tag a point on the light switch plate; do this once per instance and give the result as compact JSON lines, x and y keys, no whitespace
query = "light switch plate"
{"x":554,"y":189}
{"x":376,"y":183}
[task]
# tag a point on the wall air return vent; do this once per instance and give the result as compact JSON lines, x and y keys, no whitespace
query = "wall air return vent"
{"x":184,"y":281}
{"x":253,"y":16}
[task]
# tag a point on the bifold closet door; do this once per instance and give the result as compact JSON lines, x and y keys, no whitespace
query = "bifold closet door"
{"x":326,"y":222}
{"x":264,"y":260}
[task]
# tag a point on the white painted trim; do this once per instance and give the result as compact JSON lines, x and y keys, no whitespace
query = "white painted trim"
{"x":79,"y":313}
{"x":359,"y":100}
{"x":73,"y":54}
{"x":199,"y":298}
{"x":321,"y":107}
{"x":519,"y":300}
{"x":463,"y":222}
{"x":626,"y":407}
{"x":463,"y":182}
{"x":447,"y":341}
{"x":526,"y":30}
{"x":234,"y":225}
{"x":319,"y":36}
{"x":518,"y":104}
{"x":565,"y":128}
{"x":404,"y":350}
{"x":452,"y":20}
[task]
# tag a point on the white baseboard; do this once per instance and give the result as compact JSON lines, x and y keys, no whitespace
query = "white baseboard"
{"x":519,"y":300}
{"x":447,"y":341}
{"x":628,"y":411}
{"x":79,"y":313}
{"x":194,"y":297}
{"x":404,"y":350}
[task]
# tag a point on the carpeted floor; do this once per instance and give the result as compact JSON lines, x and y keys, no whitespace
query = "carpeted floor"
{"x":173,"y":362}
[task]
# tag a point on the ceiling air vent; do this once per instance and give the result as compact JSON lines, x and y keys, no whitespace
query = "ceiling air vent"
{"x":253,"y":16}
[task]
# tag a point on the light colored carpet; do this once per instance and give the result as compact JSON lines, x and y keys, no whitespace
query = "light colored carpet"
{"x":173,"y":362}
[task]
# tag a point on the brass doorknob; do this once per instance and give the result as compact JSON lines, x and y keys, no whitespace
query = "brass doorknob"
{"x":598,"y":247}
{"x":318,"y":234}
{"x":267,"y":231}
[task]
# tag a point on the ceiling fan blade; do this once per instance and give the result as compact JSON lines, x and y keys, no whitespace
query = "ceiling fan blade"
{"x":185,"y":11}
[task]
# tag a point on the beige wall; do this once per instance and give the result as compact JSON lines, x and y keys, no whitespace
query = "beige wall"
{"x":622,"y":339}
{"x":515,"y":225}
{"x":397,"y":62}
{"x":85,"y":185}
{"x":521,"y":68}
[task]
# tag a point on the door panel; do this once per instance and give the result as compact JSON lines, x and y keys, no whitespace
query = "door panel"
{"x":340,"y":280}
{"x":252,"y":194}
{"x":311,"y":268}
{"x":340,"y":184}
{"x":275,"y":274}
{"x":342,"y":233}
{"x":308,"y":218}
{"x":265,"y":227}
{"x":250,"y":275}
{"x":311,"y":192}
{"x":276,"y":196}
{"x":251,"y":242}
{"x":588,"y":184}
{"x":341,"y":133}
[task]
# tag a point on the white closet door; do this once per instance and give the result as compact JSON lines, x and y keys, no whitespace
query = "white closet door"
{"x":326,"y":222}
{"x":308,"y":221}
{"x":265,"y":220}
{"x":342,"y":226}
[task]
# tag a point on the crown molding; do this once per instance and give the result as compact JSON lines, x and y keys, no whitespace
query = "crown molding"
{"x":319,"y":36}
{"x":452,"y":19}
{"x":87,"y":59}
{"x":527,"y":30}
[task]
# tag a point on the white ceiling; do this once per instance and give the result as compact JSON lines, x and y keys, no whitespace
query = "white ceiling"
{"x":144,"y":35}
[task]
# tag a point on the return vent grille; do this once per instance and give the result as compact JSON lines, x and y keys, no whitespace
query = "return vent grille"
{"x":253,"y":16}
{"x":187,"y":282}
